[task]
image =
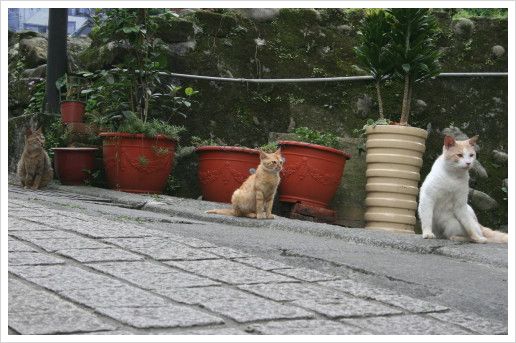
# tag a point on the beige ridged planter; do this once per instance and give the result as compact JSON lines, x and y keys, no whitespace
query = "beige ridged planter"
{"x":394,"y":158}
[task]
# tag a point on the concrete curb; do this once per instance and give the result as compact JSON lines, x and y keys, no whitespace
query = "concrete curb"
{"x":490,"y":254}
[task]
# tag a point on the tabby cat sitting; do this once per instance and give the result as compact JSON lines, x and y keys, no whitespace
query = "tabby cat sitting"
{"x":34,"y":168}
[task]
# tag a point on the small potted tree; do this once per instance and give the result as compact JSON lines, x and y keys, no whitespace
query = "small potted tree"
{"x":222,"y":169}
{"x":72,"y":107}
{"x":394,"y":152}
{"x":313,"y":167}
{"x":135,"y":101}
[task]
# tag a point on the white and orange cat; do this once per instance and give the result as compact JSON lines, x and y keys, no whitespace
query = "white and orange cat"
{"x":443,"y":201}
{"x":255,"y":197}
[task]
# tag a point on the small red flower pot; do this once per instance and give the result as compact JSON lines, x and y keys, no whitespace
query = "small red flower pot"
{"x":74,"y":166}
{"x":311,"y":173}
{"x":72,"y":111}
{"x":222,"y":169}
{"x":135,"y":163}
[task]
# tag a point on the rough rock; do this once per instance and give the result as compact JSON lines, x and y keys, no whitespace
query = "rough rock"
{"x":498,"y":51}
{"x":259,"y":14}
{"x":500,"y":156}
{"x":35,"y":51}
{"x":175,"y":30}
{"x":479,"y":169}
{"x":419,"y":106}
{"x":38,"y":72}
{"x":364,"y":105}
{"x":481,"y":200}
{"x":464,"y":28}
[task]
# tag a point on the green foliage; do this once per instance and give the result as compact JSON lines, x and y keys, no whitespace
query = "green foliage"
{"x":38,"y":97}
{"x":500,"y":13}
{"x":360,"y":133}
{"x":304,"y":134}
{"x":372,"y":46}
{"x":152,"y":128}
{"x":72,"y":85}
{"x":212,"y":141}
{"x":269,"y":147}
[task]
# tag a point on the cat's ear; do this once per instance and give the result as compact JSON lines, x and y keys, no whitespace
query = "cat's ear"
{"x":39,"y":130}
{"x":278,"y":152}
{"x":473,"y":140}
{"x":449,"y":141}
{"x":262,"y":154}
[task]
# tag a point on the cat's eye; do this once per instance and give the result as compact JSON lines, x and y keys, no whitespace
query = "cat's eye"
{"x":459,"y":155}
{"x":471,"y":155}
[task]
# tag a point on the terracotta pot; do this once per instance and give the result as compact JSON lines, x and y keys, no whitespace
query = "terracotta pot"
{"x":222,"y":169}
{"x":394,"y":159}
{"x":74,"y":166}
{"x":311,"y":173}
{"x":72,"y":111}
{"x":135,"y":163}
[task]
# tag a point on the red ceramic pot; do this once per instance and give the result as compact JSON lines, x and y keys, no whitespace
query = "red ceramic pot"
{"x":72,"y":111}
{"x":222,"y":169}
{"x":135,"y":163}
{"x":311,"y":173}
{"x":74,"y":166}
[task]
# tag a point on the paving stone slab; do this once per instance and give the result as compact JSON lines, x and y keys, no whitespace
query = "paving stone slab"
{"x":63,"y":277}
{"x":207,"y":331}
{"x":238,"y":305}
{"x":98,"y":255}
{"x":262,"y":263}
{"x":120,"y":296}
{"x":226,"y":252}
{"x":387,"y":296}
{"x":190,"y":241}
{"x":160,"y":317}
{"x":24,"y":225}
{"x":33,"y":311}
{"x":229,"y":271}
{"x":161,"y":248}
{"x":292,"y":291}
{"x":346,"y":307}
{"x":108,"y":230}
{"x":305,"y":274}
{"x":16,"y":245}
{"x":33,"y":235}
{"x":406,"y":325}
{"x":22,"y":258}
{"x":152,"y":275}
{"x":306,"y":327}
{"x":53,"y":244}
{"x":471,"y":322}
{"x":113,"y":332}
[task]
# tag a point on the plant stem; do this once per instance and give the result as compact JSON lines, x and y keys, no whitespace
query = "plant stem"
{"x":380,"y":101}
{"x":405,"y":108}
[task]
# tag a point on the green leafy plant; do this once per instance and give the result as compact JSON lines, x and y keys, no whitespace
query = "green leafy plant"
{"x":360,"y":133}
{"x":372,"y":49}
{"x":212,"y":141}
{"x":412,"y":51}
{"x":72,"y":86}
{"x":304,"y":134}
{"x":269,"y":147}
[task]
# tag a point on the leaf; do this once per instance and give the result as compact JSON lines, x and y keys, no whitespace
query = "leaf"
{"x":189,"y":91}
{"x":406,"y":67}
{"x":110,"y":79}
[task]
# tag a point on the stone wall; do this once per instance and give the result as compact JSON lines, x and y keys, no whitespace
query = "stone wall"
{"x":288,"y":43}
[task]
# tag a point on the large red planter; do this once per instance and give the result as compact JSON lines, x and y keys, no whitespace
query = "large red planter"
{"x":311,"y":173}
{"x":222,"y":169}
{"x":72,"y":111}
{"x":74,"y":166}
{"x":135,"y":163}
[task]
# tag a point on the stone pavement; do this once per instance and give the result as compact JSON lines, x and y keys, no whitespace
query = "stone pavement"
{"x":82,"y":263}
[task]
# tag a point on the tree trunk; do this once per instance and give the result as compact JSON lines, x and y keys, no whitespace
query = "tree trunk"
{"x":57,"y":60}
{"x":380,"y":101}
{"x":405,"y":108}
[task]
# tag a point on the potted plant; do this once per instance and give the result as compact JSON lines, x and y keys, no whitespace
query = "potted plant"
{"x":74,"y":156}
{"x":135,"y":102}
{"x":222,"y":169}
{"x":313,"y":168}
{"x":394,"y":152}
{"x":72,"y":108}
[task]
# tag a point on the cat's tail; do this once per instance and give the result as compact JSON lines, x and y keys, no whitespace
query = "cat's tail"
{"x":494,"y":236}
{"x":224,"y":211}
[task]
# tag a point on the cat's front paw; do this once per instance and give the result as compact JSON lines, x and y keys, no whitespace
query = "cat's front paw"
{"x":428,"y":235}
{"x":479,"y":239}
{"x":261,"y":216}
{"x":270,"y":216}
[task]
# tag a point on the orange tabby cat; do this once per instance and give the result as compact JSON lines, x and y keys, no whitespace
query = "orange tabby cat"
{"x":255,"y":197}
{"x":34,"y":168}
